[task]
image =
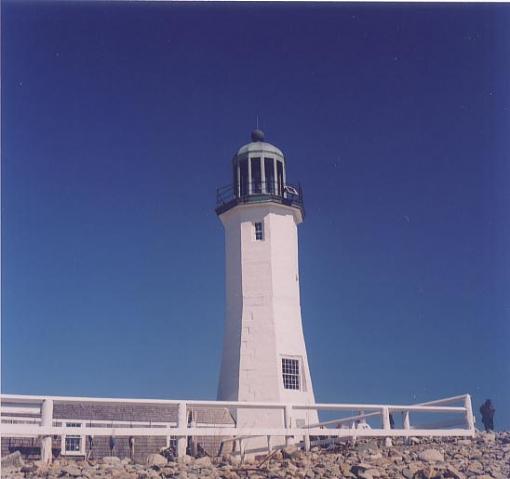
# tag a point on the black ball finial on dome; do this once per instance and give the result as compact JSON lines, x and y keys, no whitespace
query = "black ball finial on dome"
{"x":257,"y":135}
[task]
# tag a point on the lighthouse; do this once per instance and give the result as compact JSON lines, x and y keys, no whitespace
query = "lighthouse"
{"x":264,"y":354}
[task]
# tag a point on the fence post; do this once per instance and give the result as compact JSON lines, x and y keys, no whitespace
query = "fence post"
{"x":182,"y":423}
{"x":288,"y":424}
{"x":307,"y":442}
{"x":407,"y":422}
{"x":385,"y":418}
{"x":386,"y":424}
{"x":242,"y":449}
{"x":470,"y":419}
{"x":46,"y":420}
{"x":193,"y":424}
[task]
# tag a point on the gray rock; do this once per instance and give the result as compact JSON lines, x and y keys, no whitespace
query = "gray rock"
{"x":431,"y":455}
{"x":71,"y":470}
{"x":13,"y":460}
{"x":185,"y":459}
{"x":369,"y":447}
{"x":464,"y":442}
{"x":203,"y":462}
{"x":290,"y":452}
{"x":156,"y":460}
{"x":409,"y":471}
{"x":453,"y":473}
{"x":111,"y":460}
{"x":488,"y":436}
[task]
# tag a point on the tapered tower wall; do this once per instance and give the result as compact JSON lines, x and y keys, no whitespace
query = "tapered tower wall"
{"x":263,"y":314}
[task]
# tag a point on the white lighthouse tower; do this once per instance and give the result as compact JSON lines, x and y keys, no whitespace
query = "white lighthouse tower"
{"x":264,"y":354}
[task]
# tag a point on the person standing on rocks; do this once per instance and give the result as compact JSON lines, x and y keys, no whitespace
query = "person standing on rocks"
{"x":90,"y":440}
{"x":487,"y":411}
{"x":132,"y":447}
{"x":112,"y":445}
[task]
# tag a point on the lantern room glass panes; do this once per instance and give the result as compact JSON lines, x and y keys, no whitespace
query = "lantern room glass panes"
{"x":269,"y":172}
{"x":290,"y":371}
{"x":256,"y":176}
{"x":243,"y":177}
{"x":279,"y":177}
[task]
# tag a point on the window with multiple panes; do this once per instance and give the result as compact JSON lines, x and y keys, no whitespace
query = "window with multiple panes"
{"x":269,"y":171}
{"x":256,"y":176}
{"x":72,"y":443}
{"x":243,"y":177}
{"x":279,"y":177}
{"x":290,"y":372}
{"x":259,"y":231}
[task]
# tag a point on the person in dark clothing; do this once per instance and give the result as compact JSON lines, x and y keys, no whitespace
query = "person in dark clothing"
{"x":90,"y":440}
{"x":487,"y":411}
{"x":392,"y":421}
{"x":112,"y":444}
{"x":132,"y":447}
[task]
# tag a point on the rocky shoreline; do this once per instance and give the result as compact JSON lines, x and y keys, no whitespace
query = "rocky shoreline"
{"x":486,"y":456}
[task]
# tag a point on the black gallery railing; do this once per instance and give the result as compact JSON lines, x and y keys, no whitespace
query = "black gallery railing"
{"x":256,"y":192}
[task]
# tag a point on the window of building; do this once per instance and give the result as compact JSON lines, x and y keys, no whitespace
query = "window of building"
{"x":73,"y":444}
{"x":243,"y":176}
{"x":290,"y":372}
{"x":256,"y":176}
{"x":259,"y":231}
{"x":279,"y":177}
{"x":269,"y":171}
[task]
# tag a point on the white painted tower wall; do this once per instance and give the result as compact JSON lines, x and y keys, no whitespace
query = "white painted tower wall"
{"x":263,"y":312}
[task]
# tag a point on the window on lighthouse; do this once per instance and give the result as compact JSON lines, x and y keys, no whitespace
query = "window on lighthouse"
{"x":243,"y":176}
{"x":256,"y":175}
{"x":290,"y":371}
{"x":269,"y":170}
{"x":259,"y":231}
{"x":279,"y":177}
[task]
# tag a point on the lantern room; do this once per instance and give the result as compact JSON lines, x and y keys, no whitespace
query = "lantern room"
{"x":259,"y":175}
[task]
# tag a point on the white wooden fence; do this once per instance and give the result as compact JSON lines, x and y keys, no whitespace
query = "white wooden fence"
{"x":32,"y":416}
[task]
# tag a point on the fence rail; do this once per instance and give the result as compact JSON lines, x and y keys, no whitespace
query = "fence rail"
{"x":15,"y":424}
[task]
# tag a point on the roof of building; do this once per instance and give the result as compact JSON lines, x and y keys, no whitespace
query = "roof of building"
{"x":259,"y":145}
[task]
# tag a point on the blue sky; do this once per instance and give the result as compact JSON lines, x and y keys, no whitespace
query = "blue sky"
{"x":120,"y":121}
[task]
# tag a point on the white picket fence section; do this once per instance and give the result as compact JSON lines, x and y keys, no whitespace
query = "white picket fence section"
{"x":32,"y":416}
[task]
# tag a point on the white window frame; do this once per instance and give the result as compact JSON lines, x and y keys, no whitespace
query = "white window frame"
{"x":261,"y":223}
{"x":300,"y":377}
{"x":81,"y":437}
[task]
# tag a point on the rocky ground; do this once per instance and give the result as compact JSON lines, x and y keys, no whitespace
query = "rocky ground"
{"x":487,"y":456}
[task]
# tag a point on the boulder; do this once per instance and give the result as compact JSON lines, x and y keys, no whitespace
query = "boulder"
{"x":453,"y":473}
{"x":431,"y":455}
{"x":488,"y":436}
{"x":427,"y":473}
{"x":13,"y":460}
{"x":203,"y":462}
{"x":156,"y":460}
{"x":111,"y":460}
{"x":368,"y":474}
{"x":29,"y":469}
{"x":464,"y":442}
{"x":185,"y":459}
{"x":71,"y":470}
{"x":290,"y":452}
{"x":409,"y":471}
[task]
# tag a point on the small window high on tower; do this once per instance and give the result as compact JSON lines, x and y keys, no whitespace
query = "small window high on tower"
{"x":259,"y":231}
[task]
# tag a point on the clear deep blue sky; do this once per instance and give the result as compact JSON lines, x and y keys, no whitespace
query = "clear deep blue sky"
{"x":120,"y":120}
